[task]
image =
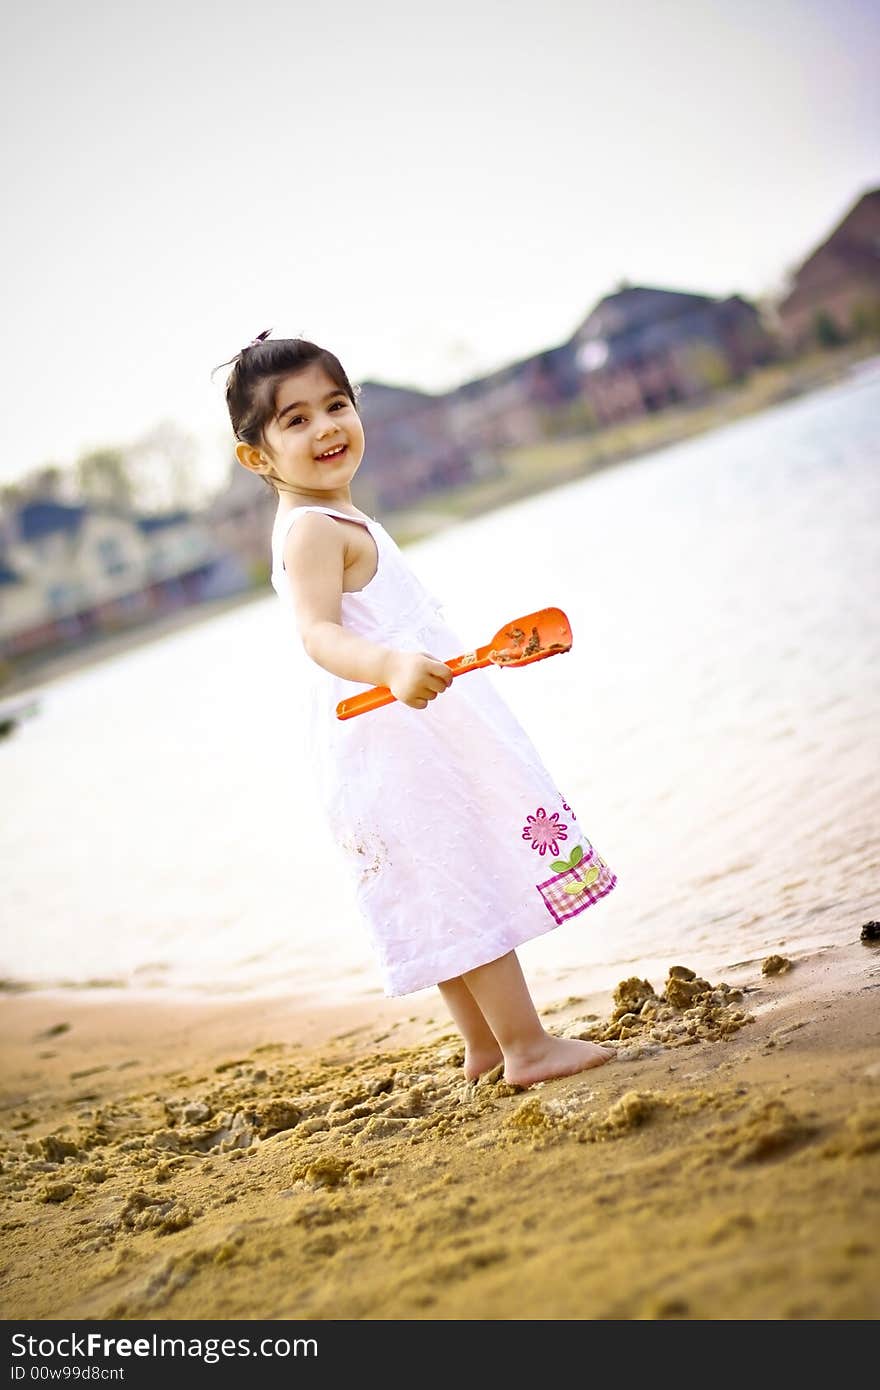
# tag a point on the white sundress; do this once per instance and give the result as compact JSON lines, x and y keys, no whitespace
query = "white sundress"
{"x":460,"y":844}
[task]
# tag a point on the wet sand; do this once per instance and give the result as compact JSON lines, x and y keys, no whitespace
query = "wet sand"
{"x":275,"y":1160}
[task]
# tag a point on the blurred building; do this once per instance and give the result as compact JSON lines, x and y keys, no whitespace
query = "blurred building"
{"x":514,"y":404}
{"x":416,"y":446}
{"x":836,"y":292}
{"x":71,"y":572}
{"x":642,"y":349}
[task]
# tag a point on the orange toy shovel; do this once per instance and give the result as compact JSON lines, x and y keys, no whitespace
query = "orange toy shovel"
{"x":518,"y":643}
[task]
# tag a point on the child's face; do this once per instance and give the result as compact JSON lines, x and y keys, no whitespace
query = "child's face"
{"x":314,"y":418}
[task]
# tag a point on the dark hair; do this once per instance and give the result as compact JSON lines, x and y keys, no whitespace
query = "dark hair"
{"x":257,"y":371}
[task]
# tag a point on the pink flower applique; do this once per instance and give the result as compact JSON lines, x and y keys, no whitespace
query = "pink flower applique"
{"x":544,"y":831}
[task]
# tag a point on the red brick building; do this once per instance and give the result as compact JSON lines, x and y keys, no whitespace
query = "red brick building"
{"x":837,"y":289}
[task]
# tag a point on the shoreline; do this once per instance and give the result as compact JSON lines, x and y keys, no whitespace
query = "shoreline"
{"x":183,"y":1160}
{"x":30,"y":681}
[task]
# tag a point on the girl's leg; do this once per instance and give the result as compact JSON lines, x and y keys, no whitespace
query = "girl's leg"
{"x":530,"y":1053}
{"x":481,"y":1050}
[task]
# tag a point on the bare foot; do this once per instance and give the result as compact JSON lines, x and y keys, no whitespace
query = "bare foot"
{"x":479,"y":1060}
{"x":557,"y":1057}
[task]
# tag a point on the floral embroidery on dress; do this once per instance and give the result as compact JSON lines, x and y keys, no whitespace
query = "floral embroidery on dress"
{"x":566,"y":807}
{"x":544,"y":831}
{"x":577,"y":854}
{"x":581,"y":881}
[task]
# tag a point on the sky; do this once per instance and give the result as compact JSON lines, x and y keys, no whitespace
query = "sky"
{"x":431,"y":191}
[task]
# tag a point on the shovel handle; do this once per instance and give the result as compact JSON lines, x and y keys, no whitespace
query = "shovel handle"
{"x":369,"y":699}
{"x":381,"y":695}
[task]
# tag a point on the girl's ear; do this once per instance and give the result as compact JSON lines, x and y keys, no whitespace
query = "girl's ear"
{"x":251,"y":458}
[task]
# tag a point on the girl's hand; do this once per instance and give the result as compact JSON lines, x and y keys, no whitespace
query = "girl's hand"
{"x":414,"y":678}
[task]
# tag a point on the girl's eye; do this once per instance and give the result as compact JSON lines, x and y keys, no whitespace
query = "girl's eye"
{"x":334,"y":405}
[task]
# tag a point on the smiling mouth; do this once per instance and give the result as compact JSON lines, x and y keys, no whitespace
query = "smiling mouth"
{"x":336,"y":452}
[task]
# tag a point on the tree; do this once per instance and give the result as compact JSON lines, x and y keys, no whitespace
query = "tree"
{"x":104,"y":479}
{"x":12,"y":495}
{"x":164,"y":465}
{"x":47,"y":482}
{"x":708,"y":364}
{"x":828,"y":333}
{"x":865,"y":320}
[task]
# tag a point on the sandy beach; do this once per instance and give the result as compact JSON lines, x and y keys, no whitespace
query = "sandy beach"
{"x":268,"y":1159}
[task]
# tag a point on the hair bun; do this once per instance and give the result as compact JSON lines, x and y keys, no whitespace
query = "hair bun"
{"x":260,"y":338}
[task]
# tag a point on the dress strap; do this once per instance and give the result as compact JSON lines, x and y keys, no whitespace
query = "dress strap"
{"x":290,"y":516}
{"x":294,"y":512}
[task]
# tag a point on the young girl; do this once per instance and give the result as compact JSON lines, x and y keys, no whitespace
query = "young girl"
{"x":461,"y":846}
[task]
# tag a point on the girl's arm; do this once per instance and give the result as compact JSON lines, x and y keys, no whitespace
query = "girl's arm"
{"x":314,"y":558}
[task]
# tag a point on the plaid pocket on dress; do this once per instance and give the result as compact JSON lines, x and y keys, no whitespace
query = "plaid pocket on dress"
{"x":570,"y":892}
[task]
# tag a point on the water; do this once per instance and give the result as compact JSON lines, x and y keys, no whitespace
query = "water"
{"x":715,"y":727}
